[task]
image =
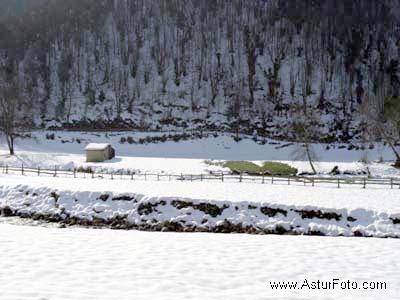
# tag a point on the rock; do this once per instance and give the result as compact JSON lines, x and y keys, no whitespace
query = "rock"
{"x":208,"y":208}
{"x":6,"y":212}
{"x":50,"y":136}
{"x":306,"y":174}
{"x":123,"y":198}
{"x":358,"y":233}
{"x":104,"y":197}
{"x":71,"y":221}
{"x":145,"y":208}
{"x":395,"y":220}
{"x":201,"y":229}
{"x":272,"y":212}
{"x":280,"y":230}
{"x":351,"y":147}
{"x":310,"y":214}
{"x":98,"y":222}
{"x":171,"y":226}
{"x":335,"y":171}
{"x":55,"y":196}
{"x":316,"y":232}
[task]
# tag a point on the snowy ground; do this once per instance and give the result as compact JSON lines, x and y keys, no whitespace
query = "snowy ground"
{"x":50,"y":263}
{"x":75,"y":263}
{"x":185,"y":156}
{"x":376,"y":209}
{"x":351,"y":197}
{"x":205,"y":206}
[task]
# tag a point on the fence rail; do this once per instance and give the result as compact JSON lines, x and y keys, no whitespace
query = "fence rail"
{"x":338,"y":182}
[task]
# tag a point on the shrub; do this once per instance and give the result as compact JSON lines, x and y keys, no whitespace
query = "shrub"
{"x":243,"y":167}
{"x":130,"y":140}
{"x":278,"y":169}
{"x":81,"y":169}
{"x":214,"y":163}
{"x":268,"y":168}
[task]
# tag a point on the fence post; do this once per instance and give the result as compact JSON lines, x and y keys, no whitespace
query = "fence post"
{"x":338,"y":183}
{"x":364,"y":183}
{"x":312,"y":180}
{"x":6,"y":169}
{"x":55,"y":171}
{"x":92,"y":174}
{"x":22,"y":169}
{"x":272,"y":180}
{"x":391,"y":183}
{"x":240,"y":177}
{"x":263,"y":179}
{"x":74,"y":172}
{"x":131,"y":176}
{"x":112,"y":176}
{"x":38,"y":171}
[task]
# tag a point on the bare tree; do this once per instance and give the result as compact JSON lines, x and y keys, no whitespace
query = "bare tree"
{"x":385,"y":125}
{"x":118,"y":84}
{"x":9,"y":102}
{"x":305,"y":128}
{"x":251,"y":55}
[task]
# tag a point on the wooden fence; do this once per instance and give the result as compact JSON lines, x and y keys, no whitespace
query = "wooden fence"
{"x":338,"y":182}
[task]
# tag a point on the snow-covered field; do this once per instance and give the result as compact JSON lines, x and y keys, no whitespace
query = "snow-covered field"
{"x":206,"y":206}
{"x":77,"y":263}
{"x":351,"y":197}
{"x":51,"y":263}
{"x":188,"y":156}
{"x":376,"y":210}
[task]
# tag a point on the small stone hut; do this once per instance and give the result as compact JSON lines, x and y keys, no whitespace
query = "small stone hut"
{"x":99,"y":152}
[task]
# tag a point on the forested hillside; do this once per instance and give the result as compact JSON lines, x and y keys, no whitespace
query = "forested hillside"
{"x":288,"y":69}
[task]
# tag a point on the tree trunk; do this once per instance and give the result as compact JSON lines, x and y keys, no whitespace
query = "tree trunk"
{"x":309,"y":158}
{"x":10,"y":143}
{"x":397,"y":164}
{"x":396,"y":153}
